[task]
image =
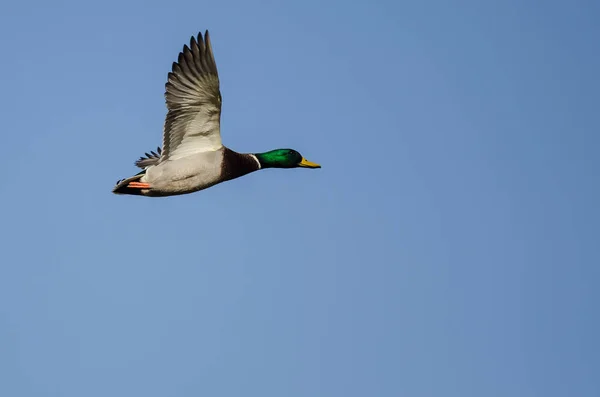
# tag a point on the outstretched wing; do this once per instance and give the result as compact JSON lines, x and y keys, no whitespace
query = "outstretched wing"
{"x":151,"y":159}
{"x":193,"y":100}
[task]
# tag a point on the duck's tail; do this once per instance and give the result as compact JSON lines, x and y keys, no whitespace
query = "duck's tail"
{"x":122,"y":186}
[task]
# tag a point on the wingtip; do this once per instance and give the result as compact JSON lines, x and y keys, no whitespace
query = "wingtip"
{"x":198,"y":40}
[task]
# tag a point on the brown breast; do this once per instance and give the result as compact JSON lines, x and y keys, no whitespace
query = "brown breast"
{"x":236,"y":164}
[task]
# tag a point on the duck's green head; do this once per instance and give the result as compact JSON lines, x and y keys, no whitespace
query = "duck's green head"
{"x":284,"y":158}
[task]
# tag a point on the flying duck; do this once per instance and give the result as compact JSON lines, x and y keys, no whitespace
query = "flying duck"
{"x":192,"y":157}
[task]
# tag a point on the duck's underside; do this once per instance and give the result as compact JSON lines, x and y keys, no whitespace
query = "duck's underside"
{"x":186,"y":175}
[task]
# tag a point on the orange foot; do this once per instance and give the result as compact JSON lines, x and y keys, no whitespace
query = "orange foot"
{"x":139,"y":185}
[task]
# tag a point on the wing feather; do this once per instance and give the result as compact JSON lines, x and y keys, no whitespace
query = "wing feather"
{"x":193,"y":101}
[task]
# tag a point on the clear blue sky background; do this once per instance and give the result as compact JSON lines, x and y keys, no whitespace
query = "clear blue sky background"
{"x":448,"y":246}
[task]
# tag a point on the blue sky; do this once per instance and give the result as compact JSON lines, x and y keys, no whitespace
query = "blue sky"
{"x":448,"y":246}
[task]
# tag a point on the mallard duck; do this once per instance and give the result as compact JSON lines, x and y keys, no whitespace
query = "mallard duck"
{"x":192,"y":157}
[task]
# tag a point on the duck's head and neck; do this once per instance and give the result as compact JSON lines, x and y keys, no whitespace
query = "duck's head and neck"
{"x":284,"y":158}
{"x":236,"y":164}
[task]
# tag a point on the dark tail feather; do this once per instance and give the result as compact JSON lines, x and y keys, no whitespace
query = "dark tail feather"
{"x":121,"y":186}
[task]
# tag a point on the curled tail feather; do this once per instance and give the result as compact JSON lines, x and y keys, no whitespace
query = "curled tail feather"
{"x":122,"y":188}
